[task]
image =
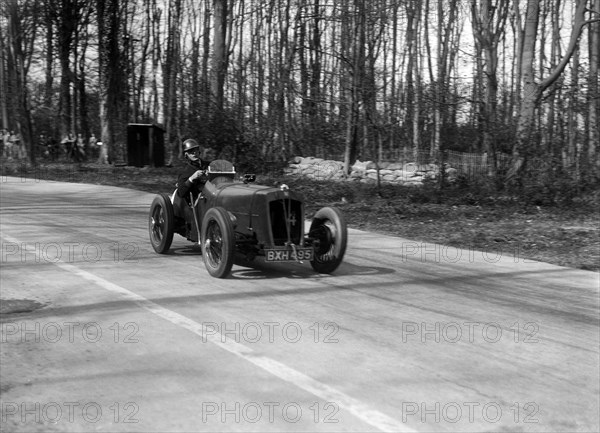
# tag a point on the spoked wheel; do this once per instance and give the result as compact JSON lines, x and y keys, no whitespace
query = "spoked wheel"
{"x":218,"y":242}
{"x":160,"y":224}
{"x":329,"y":229}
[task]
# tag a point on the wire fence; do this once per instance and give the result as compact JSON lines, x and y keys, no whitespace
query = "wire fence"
{"x":474,"y":165}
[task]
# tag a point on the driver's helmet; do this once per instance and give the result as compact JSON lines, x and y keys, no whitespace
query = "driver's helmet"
{"x":191,"y":149}
{"x":190,"y":144}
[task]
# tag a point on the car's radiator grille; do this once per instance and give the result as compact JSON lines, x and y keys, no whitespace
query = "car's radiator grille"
{"x":286,"y":214}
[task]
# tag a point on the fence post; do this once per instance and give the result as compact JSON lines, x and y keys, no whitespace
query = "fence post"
{"x":441,"y":168}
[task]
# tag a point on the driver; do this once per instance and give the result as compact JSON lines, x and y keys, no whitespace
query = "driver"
{"x":193,"y":177}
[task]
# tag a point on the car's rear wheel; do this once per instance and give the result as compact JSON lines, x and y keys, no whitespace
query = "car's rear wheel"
{"x":160,"y":223}
{"x":328,"y":229}
{"x":218,"y":242}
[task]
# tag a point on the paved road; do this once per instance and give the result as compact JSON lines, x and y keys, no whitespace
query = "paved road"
{"x":404,"y":337}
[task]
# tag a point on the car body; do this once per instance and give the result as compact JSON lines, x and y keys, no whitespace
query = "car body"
{"x":239,"y":218}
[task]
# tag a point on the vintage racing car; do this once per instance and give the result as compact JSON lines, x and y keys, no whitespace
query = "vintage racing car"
{"x":237,"y":217}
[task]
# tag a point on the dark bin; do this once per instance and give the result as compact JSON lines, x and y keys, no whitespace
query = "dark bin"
{"x":145,"y":145}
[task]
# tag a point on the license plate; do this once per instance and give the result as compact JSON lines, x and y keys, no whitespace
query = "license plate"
{"x":289,"y":255}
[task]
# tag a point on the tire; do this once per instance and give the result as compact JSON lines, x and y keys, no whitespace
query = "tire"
{"x":218,"y":242}
{"x":160,"y":223}
{"x":329,"y":228}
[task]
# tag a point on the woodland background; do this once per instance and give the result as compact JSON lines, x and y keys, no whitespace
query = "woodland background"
{"x":263,"y":80}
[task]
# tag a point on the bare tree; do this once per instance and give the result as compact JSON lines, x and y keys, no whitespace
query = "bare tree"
{"x":353,"y":49}
{"x":49,"y":12}
{"x":413,"y":75}
{"x":3,"y":80}
{"x":220,"y":55}
{"x":446,"y":46}
{"x":532,"y":90}
{"x":67,"y":14}
{"x":594,"y":87}
{"x":112,"y":78}
{"x":22,"y":24}
{"x":488,"y":26}
{"x":170,"y":71}
{"x":353,"y":78}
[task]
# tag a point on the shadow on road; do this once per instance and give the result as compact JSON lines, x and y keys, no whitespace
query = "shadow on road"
{"x":259,"y":269}
{"x":464,"y":284}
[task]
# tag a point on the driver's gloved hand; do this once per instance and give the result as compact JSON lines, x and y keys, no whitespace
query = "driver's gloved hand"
{"x":198,"y":175}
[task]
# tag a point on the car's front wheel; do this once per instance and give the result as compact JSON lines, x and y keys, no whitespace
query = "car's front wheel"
{"x":218,"y":242}
{"x":330,"y":235}
{"x":160,"y":223}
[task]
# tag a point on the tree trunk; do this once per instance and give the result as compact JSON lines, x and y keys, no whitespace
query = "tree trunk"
{"x":49,"y":82}
{"x":315,"y":79}
{"x":517,"y":72}
{"x":416,"y":75}
{"x":571,"y":154}
{"x":594,"y":90}
{"x":156,"y":19}
{"x":393,"y":117}
{"x":489,"y":22}
{"x":81,"y":87}
{"x":412,"y":73}
{"x":67,"y":24}
{"x":17,"y":79}
{"x":171,"y":68}
{"x":549,"y":132}
{"x":219,"y":60}
{"x":111,"y":76}
{"x":3,"y":84}
{"x":355,"y":31}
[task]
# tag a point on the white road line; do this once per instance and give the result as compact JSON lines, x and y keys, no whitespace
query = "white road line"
{"x":325,"y":392}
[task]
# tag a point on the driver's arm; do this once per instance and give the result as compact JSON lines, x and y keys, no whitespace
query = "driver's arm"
{"x":188,"y":181}
{"x":183,"y":184}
